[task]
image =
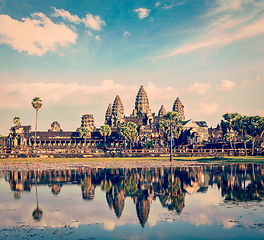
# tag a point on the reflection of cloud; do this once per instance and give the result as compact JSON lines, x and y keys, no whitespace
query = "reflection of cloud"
{"x":109,"y":225}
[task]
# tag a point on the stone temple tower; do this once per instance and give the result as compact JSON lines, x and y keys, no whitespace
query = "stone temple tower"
{"x":108,"y":114}
{"x":162,"y":111}
{"x":141,"y":104}
{"x":117,"y":112}
{"x":178,"y":107}
{"x":88,"y":121}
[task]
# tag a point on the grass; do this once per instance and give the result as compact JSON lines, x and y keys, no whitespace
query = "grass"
{"x":241,"y":159}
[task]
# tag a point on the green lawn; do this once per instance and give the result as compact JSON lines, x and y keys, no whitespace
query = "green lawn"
{"x":250,"y":159}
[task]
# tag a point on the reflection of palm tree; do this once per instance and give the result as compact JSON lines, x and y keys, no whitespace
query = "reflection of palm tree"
{"x":37,"y":213}
{"x":17,"y":195}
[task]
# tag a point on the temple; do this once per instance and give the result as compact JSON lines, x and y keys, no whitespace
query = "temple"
{"x":147,"y":122}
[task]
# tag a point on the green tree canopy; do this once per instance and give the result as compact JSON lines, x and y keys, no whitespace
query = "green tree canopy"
{"x":129,"y":132}
{"x":84,"y":132}
{"x":105,"y":130}
{"x":171,"y":125}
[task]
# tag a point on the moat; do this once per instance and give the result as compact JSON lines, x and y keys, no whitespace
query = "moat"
{"x":185,"y":202}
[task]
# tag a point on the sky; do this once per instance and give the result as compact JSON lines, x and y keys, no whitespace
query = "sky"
{"x":77,"y":55}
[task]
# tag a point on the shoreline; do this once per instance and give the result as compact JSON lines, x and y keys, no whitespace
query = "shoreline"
{"x":59,"y":163}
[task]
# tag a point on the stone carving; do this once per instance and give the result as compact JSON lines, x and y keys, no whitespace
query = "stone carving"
{"x":162,"y":111}
{"x":178,"y":107}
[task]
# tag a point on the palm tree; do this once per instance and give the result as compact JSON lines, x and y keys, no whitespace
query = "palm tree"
{"x":16,"y":121}
{"x":37,"y":104}
{"x":84,"y":132}
{"x":105,"y":131}
{"x":171,"y":124}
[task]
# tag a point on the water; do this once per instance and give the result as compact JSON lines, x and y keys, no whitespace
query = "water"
{"x":204,"y":202}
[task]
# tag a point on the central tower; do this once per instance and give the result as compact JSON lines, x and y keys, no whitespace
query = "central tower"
{"x":141,"y":104}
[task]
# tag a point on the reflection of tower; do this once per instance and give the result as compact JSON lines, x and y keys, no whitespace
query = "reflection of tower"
{"x":109,"y":199}
{"x":119,"y":203}
{"x":143,"y":208}
{"x":116,"y":199}
{"x":87,"y":190}
{"x":55,"y":189}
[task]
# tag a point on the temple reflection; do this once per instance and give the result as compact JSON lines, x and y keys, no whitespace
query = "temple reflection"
{"x":238,"y":182}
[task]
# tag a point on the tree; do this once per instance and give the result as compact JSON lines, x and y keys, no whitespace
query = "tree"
{"x":129,"y":132}
{"x":171,"y":124}
{"x":234,"y":124}
{"x":105,"y":131}
{"x":84,"y":132}
{"x":16,"y":121}
{"x":37,"y":104}
{"x":254,"y":128}
{"x":133,"y":133}
{"x":228,"y":137}
{"x":148,"y":144}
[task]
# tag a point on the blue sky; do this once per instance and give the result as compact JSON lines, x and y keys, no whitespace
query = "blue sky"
{"x":77,"y":55}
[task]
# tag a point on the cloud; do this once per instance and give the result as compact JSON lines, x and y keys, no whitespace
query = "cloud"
{"x":142,"y":12}
{"x":90,"y":21}
{"x":229,"y":22}
{"x":226,"y":85}
{"x":126,"y":34}
{"x":97,"y":37}
{"x":54,"y":92}
{"x":95,"y":23}
{"x":35,"y":35}
{"x":157,"y":4}
{"x":207,"y":108}
{"x":199,"y":88}
{"x":222,"y":35}
{"x":65,"y":15}
{"x":173,"y":5}
{"x":246,"y":83}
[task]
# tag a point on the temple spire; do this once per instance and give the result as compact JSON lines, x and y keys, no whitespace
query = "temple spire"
{"x":117,"y":112}
{"x":162,"y":111}
{"x":178,"y":107}
{"x":108,"y":114}
{"x":141,"y":103}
